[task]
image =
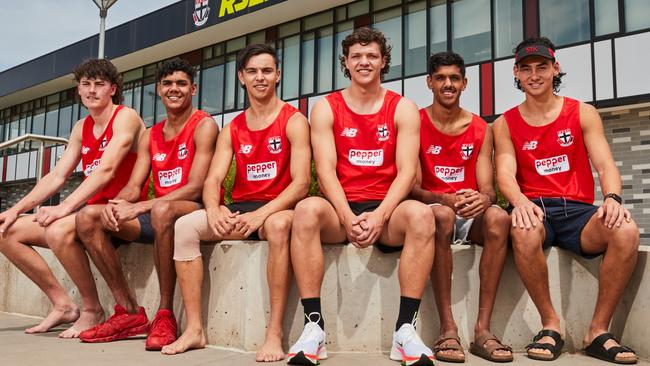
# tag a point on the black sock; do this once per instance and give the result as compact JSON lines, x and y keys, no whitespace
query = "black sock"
{"x":312,"y":305}
{"x":408,"y":311}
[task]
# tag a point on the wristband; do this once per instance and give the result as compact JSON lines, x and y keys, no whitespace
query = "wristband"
{"x":615,"y":197}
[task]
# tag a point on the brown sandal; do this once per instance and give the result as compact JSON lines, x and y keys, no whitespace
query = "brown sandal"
{"x":480,"y":348}
{"x":450,"y":346}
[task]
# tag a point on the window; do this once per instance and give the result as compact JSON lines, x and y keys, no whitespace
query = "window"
{"x":290,"y":67}
{"x":438,"y":26}
{"x":149,"y":104}
{"x":212,"y":89}
{"x":564,"y":22}
{"x":325,"y":59}
{"x":52,"y":120}
{"x":605,"y":16}
{"x":65,"y":120}
{"x":471,"y":35}
{"x":231,"y":83}
{"x":390,"y":23}
{"x":38,"y":124}
{"x":636,"y":15}
{"x":307,"y":64}
{"x":508,"y":26}
{"x":415,"y":39}
{"x":342,"y":31}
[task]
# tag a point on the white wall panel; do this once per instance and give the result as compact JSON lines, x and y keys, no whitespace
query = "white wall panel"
{"x":22,"y":166}
{"x":218,"y":119}
{"x":506,"y":95}
{"x":576,"y":62}
{"x":632,"y":54}
{"x":603,"y":70}
{"x":11,"y":168}
{"x":311,"y":102}
{"x":395,"y":86}
{"x":2,"y":165}
{"x":416,"y":89}
{"x":295,"y":103}
{"x":471,"y":97}
{"x":229,"y":117}
{"x":33,"y":164}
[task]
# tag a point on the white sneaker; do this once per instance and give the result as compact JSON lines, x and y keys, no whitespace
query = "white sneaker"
{"x":309,"y":349}
{"x":409,"y":348}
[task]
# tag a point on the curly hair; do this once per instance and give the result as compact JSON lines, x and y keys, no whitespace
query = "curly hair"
{"x":176,"y":64}
{"x":101,"y":69}
{"x":365,"y":36}
{"x":446,"y":58}
{"x":557,"y":80}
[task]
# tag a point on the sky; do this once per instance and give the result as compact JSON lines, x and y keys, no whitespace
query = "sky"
{"x":30,"y":29}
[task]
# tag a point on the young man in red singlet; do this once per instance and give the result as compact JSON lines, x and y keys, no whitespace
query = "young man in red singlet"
{"x":543,"y":150}
{"x":270,"y":144}
{"x":177,"y":151}
{"x":456,"y":180}
{"x":365,"y":140}
{"x":105,"y":142}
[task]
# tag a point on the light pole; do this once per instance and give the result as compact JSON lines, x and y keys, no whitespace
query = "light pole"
{"x":103,"y":6}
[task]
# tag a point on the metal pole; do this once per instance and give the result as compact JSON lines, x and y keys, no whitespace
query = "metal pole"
{"x":102,"y":31}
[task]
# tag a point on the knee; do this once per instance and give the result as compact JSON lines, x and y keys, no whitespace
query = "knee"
{"x":626,"y":239}
{"x":60,"y":235}
{"x":278,"y":230}
{"x":88,"y":219}
{"x":162,"y":215}
{"x":445,"y":218}
{"x":497,"y":225}
{"x":421,"y":221}
{"x":309,"y":211}
{"x":526,"y":242}
{"x":184,"y":230}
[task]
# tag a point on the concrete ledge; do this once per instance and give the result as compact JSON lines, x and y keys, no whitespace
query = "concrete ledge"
{"x":361,"y":296}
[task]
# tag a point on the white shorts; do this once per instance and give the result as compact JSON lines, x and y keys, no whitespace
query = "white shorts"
{"x":461,"y":229}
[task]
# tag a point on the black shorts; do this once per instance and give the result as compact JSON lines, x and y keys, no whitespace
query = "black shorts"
{"x":366,"y":206}
{"x":146,"y":232}
{"x":244,"y":207}
{"x":563,"y":223}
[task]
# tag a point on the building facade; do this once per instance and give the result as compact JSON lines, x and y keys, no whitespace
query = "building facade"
{"x":602,"y":46}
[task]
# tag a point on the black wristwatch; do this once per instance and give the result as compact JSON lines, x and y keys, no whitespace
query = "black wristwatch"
{"x":615,"y":197}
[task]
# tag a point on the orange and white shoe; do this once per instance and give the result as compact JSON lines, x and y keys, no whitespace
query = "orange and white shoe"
{"x":309,"y":349}
{"x":409,"y":348}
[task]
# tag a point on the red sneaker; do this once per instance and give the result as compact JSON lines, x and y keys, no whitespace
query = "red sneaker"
{"x":121,"y":325}
{"x":163,"y":330}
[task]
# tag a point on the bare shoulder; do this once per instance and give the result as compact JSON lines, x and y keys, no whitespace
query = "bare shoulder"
{"x":321,"y":112}
{"x":406,"y":104}
{"x":207,"y":124}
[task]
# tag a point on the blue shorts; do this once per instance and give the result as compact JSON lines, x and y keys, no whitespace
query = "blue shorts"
{"x":563,"y":223}
{"x":244,"y":207}
{"x":146,"y":232}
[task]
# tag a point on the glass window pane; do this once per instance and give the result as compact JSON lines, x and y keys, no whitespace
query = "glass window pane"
{"x":137,"y":98}
{"x":288,"y":29}
{"x":438,"y":26}
{"x":51,"y":122}
{"x":83,"y":112}
{"x":358,"y":8}
{"x":471,"y":39}
{"x":161,"y":112}
{"x":390,"y":22}
{"x":325,"y":59}
{"x":416,"y":40}
{"x":212,"y":92}
{"x":606,"y":16}
{"x":508,"y":26}
{"x":290,"y":66}
{"x":636,"y":14}
{"x":38,"y":124}
{"x":128,"y":98}
{"x":307,"y":65}
{"x":564,"y":22}
{"x":231,"y":83}
{"x":383,"y":4}
{"x":65,"y":120}
{"x":318,"y":20}
{"x":343,"y":30}
{"x":197,"y":81}
{"x":13,"y":130}
{"x":148,"y":104}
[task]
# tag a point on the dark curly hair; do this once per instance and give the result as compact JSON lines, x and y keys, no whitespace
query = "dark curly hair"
{"x":365,"y":36}
{"x":557,"y":80}
{"x":446,"y":58}
{"x":101,"y":69}
{"x":176,"y":64}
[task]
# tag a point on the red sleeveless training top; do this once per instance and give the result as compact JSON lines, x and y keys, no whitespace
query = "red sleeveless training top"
{"x":365,"y":148}
{"x":172,"y":159}
{"x":449,"y":162}
{"x":262,"y":157}
{"x":552,"y":160}
{"x":92,"y":150}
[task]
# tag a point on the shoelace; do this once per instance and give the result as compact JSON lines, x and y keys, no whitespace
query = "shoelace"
{"x":309,"y":329}
{"x":167,"y":324}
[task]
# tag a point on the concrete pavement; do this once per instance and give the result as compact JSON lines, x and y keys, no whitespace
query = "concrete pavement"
{"x":20,"y":349}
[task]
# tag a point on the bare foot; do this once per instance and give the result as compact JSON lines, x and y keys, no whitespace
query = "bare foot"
{"x":271,"y":350}
{"x":190,"y":339}
{"x":87,"y":320}
{"x":56,"y":317}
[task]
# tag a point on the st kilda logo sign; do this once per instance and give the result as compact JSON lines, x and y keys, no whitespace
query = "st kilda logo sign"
{"x":216,"y":11}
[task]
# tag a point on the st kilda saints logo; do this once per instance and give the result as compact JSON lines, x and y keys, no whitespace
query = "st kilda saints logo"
{"x":201,"y":12}
{"x":103,"y":144}
{"x":382,"y":132}
{"x":275,"y":145}
{"x":466,"y":151}
{"x":565,"y":138}
{"x":182,"y":152}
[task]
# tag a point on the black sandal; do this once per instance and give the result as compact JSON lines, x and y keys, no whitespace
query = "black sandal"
{"x":556,"y":349}
{"x":597,"y":349}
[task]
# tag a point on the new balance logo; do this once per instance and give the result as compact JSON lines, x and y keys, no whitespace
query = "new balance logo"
{"x":433,"y":149}
{"x":349,"y":132}
{"x":159,"y":157}
{"x":245,"y":149}
{"x":529,"y":145}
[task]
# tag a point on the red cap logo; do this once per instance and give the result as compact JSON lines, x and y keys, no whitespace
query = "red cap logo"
{"x":532,"y":49}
